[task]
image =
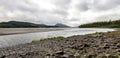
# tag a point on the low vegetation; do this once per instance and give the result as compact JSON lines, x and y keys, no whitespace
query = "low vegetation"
{"x":109,"y":24}
{"x":53,"y":38}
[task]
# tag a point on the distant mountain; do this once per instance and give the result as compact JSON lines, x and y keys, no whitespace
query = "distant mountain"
{"x":61,"y":25}
{"x":109,"y":24}
{"x":18,"y":24}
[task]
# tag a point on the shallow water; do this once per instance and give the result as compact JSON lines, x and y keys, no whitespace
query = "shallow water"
{"x":9,"y":40}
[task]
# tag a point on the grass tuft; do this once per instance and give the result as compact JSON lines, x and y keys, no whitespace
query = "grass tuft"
{"x":53,"y":38}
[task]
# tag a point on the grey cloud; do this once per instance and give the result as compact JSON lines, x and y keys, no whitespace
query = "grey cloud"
{"x":18,"y":5}
{"x":105,"y":4}
{"x":62,"y":3}
{"x":82,"y":6}
{"x":78,"y":11}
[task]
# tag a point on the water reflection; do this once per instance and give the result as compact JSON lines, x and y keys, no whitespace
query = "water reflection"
{"x":9,"y":40}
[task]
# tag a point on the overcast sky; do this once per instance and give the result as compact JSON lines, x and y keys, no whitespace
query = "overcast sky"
{"x":70,"y":12}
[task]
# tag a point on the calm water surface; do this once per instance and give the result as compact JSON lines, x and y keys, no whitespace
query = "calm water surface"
{"x":9,"y":40}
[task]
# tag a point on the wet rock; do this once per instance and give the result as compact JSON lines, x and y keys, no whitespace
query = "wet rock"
{"x":91,"y":56}
{"x":77,"y":55}
{"x":65,"y":56}
{"x":59,"y":53}
{"x":104,"y":56}
{"x":118,"y":45}
{"x":48,"y":56}
{"x":106,"y":47}
{"x":3,"y":56}
{"x":86,"y":45}
{"x":112,"y":56}
{"x":99,"y":35}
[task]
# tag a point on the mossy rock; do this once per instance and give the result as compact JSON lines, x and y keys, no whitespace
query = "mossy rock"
{"x":113,"y":56}
{"x":91,"y":56}
{"x":104,"y":56}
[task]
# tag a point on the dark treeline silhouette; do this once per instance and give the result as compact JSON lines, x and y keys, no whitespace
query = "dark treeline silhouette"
{"x":109,"y":24}
{"x":18,"y":24}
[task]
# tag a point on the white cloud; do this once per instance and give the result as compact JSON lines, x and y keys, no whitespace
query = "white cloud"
{"x":70,"y":12}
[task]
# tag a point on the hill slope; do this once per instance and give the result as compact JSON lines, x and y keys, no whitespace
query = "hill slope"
{"x":61,"y":25}
{"x":110,"y":24}
{"x":18,"y":24}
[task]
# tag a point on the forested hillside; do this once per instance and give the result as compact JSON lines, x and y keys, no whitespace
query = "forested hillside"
{"x":110,"y":24}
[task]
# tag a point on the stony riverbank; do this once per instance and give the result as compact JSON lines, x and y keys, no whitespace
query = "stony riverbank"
{"x":98,"y":45}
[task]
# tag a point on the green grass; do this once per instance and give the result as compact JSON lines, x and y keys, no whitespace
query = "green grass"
{"x":95,"y":56}
{"x":53,"y":38}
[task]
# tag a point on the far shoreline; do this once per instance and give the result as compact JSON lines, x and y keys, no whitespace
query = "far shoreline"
{"x":12,"y":31}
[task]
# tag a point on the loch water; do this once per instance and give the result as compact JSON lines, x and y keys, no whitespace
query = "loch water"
{"x":10,"y":40}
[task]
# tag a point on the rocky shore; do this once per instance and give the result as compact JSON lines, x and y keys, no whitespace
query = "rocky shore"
{"x":97,"y":45}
